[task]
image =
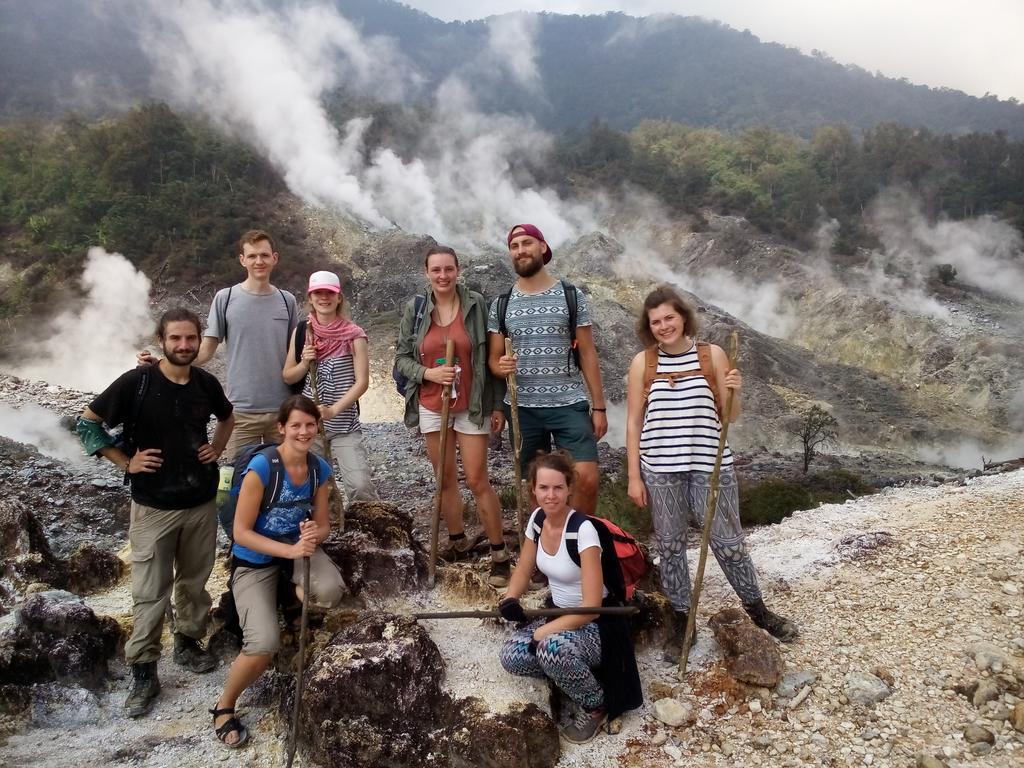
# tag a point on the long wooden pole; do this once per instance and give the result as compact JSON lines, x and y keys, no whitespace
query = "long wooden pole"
{"x":709,"y":514}
{"x":435,"y":523}
{"x":534,"y":613}
{"x":334,"y":495}
{"x":300,"y":672}
{"x":517,"y":447}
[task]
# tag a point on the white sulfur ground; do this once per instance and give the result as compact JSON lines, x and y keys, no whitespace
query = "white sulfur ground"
{"x":954,"y":526}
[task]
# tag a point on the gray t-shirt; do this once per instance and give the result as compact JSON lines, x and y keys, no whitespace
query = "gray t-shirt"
{"x":538,"y":325}
{"x":255,"y":329}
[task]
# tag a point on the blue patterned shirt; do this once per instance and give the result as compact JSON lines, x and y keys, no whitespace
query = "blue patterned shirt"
{"x":538,"y":325}
{"x":280,"y":522}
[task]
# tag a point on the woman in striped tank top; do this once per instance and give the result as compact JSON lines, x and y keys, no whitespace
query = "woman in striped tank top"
{"x":672,"y":438}
{"x":339,"y":348}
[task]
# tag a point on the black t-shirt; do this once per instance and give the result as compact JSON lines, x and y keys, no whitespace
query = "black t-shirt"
{"x":173,"y":418}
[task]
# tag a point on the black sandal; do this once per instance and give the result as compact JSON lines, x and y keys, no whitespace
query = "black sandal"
{"x":233,"y":724}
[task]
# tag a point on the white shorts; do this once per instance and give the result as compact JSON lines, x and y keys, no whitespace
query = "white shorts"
{"x":430,"y":421}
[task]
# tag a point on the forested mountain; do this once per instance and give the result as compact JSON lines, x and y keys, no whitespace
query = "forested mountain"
{"x":60,"y":53}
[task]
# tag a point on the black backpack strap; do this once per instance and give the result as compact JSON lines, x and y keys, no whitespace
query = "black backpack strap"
{"x":572,"y":536}
{"x":300,"y":338}
{"x":275,"y":481}
{"x":222,"y":315}
{"x":572,"y":304}
{"x":313,"y":468}
{"x":145,"y":372}
{"x":419,"y":304}
{"x":538,"y":523}
{"x":291,"y":317}
{"x":503,"y":301}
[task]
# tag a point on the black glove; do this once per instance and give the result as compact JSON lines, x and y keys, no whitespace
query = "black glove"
{"x":511,"y":610}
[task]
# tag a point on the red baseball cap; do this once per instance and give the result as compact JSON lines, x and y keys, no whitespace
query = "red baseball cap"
{"x":532,"y":231}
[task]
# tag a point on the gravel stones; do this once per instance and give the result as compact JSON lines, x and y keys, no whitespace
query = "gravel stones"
{"x":974,"y":733}
{"x":793,"y":682}
{"x":673,"y":713}
{"x":987,"y":691}
{"x":865,"y":689}
{"x":1017,"y":718}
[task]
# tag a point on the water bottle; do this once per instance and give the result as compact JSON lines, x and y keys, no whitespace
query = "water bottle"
{"x":227,"y":474}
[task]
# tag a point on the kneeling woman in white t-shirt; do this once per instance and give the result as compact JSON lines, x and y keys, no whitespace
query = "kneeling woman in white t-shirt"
{"x":591,"y":661}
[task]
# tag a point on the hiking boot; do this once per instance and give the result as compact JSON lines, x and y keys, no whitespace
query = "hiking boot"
{"x":145,"y":687}
{"x":459,"y":549}
{"x":672,"y":648}
{"x":775,"y":625}
{"x":585,"y":725}
{"x":501,"y":571}
{"x":538,"y":581}
{"x":188,"y":653}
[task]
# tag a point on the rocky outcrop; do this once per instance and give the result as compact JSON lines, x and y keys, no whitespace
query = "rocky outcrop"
{"x":25,"y":555}
{"x":523,"y":737}
{"x":26,"y":559}
{"x":55,"y":636}
{"x":749,"y":653}
{"x":373,"y":696}
{"x":377,"y":553}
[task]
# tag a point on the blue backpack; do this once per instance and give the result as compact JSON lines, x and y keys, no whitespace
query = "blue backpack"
{"x":271,"y":491}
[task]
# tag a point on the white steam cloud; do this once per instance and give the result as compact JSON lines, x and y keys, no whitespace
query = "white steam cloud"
{"x":510,"y":46}
{"x":261,"y":73}
{"x":986,"y":252}
{"x":41,"y":428}
{"x":87,"y":348}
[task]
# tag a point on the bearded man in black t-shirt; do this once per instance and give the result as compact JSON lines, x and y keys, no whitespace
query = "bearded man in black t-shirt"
{"x":171,"y":464}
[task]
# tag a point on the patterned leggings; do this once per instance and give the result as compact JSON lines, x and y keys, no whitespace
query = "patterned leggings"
{"x":675,"y":499}
{"x":568,"y":658}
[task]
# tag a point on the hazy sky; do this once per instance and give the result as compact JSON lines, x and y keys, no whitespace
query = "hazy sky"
{"x":972,"y":46}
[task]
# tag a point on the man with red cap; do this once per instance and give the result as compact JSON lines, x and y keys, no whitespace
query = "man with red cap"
{"x":553,"y":357}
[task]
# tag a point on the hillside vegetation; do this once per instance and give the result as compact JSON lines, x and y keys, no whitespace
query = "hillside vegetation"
{"x":617,"y":67}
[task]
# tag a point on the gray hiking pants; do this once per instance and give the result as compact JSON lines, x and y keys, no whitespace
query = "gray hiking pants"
{"x":172,"y":556}
{"x":677,"y":498}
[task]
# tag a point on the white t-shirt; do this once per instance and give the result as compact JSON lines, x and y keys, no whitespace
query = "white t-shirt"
{"x":564,"y":576}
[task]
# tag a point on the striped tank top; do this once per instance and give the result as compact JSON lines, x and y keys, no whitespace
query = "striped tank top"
{"x":334,"y":377}
{"x":681,"y":427}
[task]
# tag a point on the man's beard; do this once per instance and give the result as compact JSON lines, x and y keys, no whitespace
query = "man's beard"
{"x":529,"y":268}
{"x":181,"y":358}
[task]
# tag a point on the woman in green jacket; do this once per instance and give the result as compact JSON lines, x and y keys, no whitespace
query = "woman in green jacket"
{"x":451,"y":311}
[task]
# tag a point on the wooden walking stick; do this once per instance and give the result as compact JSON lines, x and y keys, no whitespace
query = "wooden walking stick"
{"x":336,"y":506}
{"x":517,"y":447}
{"x":435,"y":523}
{"x":299,"y":674}
{"x":709,"y":515}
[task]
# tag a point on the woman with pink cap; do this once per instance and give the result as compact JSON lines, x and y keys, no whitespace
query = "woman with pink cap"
{"x":339,"y":348}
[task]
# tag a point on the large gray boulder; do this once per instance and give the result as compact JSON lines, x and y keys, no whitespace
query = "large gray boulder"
{"x":55,"y":636}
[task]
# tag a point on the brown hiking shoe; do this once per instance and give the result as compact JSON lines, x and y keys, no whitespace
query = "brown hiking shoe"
{"x":538,"y":581}
{"x":672,"y":648}
{"x":460,"y":549}
{"x":777,"y":626}
{"x":188,"y":653}
{"x":585,"y":725}
{"x":501,"y":571}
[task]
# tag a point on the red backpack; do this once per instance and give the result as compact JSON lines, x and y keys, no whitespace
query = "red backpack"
{"x":623,"y":562}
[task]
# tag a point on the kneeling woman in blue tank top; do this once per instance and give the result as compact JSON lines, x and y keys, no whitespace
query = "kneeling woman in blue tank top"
{"x":591,"y":660}
{"x":266,"y":540}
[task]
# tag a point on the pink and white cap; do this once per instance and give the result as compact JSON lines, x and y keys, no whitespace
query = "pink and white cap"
{"x":324,"y":281}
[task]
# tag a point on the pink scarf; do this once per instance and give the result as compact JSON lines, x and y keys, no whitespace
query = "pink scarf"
{"x":334,"y":339}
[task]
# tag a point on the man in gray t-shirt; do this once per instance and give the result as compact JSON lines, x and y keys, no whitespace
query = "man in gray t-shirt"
{"x":255,"y":320}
